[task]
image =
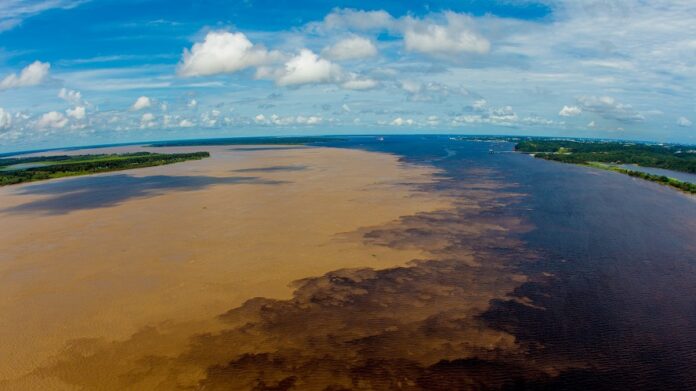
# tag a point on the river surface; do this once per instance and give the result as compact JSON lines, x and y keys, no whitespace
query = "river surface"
{"x":620,"y":254}
{"x":534,"y":275}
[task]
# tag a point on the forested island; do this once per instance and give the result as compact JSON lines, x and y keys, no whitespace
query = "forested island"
{"x":37,"y":168}
{"x":607,"y":155}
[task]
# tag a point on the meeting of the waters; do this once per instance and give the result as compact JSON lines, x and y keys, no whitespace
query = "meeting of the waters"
{"x":263,"y":195}
{"x":497,"y":261}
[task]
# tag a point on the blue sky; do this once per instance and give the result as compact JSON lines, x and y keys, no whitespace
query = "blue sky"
{"x":79,"y":72}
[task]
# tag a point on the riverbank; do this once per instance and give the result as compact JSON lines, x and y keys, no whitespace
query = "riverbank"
{"x":610,"y":155}
{"x":38,"y":168}
{"x":686,"y":187}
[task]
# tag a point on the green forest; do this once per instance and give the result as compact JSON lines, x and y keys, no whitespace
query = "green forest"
{"x":684,"y":186}
{"x":36,"y":168}
{"x":670,"y":157}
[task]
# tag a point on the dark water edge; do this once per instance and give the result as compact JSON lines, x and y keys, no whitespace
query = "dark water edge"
{"x":622,"y":256}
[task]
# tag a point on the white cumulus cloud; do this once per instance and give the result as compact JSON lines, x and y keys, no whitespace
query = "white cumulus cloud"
{"x":311,"y":120}
{"x":455,"y":36}
{"x":570,"y":111}
{"x":71,"y":96}
{"x":147,"y":119}
{"x":223,"y":52}
{"x":350,"y":48}
{"x":78,"y":112}
{"x":53,"y":119}
{"x":306,"y":68}
{"x":141,"y":103}
{"x":33,"y":74}
{"x":5,"y":119}
{"x":401,"y":121}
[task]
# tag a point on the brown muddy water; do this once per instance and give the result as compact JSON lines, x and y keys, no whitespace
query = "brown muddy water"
{"x":412,"y":263}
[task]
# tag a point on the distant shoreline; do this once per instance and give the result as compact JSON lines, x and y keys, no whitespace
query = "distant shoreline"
{"x":686,"y":187}
{"x":38,"y":168}
{"x":321,"y":138}
{"x":609,"y":156}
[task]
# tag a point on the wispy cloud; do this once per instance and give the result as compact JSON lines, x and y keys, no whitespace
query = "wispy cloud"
{"x":13,"y":12}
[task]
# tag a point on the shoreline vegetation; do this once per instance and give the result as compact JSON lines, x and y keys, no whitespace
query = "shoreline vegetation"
{"x":38,"y":168}
{"x":607,"y":155}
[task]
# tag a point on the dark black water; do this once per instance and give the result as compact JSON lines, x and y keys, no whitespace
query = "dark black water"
{"x":620,"y":254}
